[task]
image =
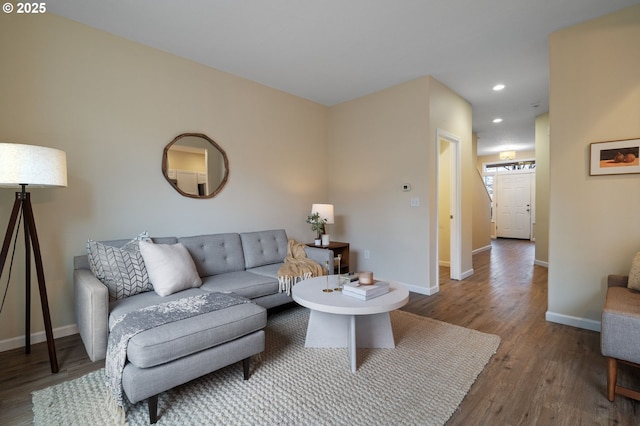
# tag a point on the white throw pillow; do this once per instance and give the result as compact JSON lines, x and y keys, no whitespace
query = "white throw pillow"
{"x":634,"y":274}
{"x":170,"y":267}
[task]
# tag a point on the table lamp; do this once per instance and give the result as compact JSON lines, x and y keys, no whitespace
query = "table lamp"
{"x":35,"y":166}
{"x":326,"y":212}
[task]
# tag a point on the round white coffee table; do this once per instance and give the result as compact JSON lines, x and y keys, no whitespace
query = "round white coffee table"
{"x":341,"y":321}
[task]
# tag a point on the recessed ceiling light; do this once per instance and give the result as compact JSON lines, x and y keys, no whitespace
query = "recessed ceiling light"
{"x":498,"y":87}
{"x":497,"y":120}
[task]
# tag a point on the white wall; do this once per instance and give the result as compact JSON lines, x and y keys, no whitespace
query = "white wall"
{"x":593,"y":224}
{"x":113,"y":105}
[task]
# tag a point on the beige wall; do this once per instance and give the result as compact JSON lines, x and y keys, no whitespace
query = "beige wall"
{"x":593,"y":222}
{"x":451,"y":113}
{"x":376,"y":144}
{"x":482,"y":226}
{"x":113,"y":105}
{"x":542,"y":190}
{"x":444,"y":204}
{"x":180,"y":160}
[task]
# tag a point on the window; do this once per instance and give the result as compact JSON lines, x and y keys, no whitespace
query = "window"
{"x":509,"y":166}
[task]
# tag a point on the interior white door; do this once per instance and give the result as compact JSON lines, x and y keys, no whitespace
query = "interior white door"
{"x":513,"y":205}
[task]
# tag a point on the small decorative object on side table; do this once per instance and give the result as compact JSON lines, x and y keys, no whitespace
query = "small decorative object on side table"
{"x":317,"y":226}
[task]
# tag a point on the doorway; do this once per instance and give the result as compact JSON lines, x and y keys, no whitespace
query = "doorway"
{"x":449,"y":247}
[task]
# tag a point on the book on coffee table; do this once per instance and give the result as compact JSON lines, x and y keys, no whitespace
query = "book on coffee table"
{"x":366,"y":292}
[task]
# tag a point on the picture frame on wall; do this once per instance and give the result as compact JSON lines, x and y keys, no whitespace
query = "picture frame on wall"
{"x":615,"y":157}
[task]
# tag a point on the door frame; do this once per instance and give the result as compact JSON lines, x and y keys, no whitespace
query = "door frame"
{"x":455,"y":207}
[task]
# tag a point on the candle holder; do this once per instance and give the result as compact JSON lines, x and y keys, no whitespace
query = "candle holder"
{"x":327,"y":289}
{"x":339,"y":288}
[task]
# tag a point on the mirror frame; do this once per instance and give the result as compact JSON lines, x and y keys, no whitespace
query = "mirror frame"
{"x":165,"y":161}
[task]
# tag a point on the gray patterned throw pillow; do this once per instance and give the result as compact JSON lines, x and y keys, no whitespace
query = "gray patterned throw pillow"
{"x":122,"y":270}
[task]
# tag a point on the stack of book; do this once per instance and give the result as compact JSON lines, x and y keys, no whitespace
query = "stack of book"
{"x":366,"y":292}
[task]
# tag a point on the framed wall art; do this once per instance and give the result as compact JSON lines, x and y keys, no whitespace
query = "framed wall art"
{"x":615,"y":157}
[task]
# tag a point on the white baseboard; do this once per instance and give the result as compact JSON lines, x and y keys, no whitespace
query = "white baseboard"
{"x":467,"y":274}
{"x":444,"y":263}
{"x":427,"y":291}
{"x":587,"y":324}
{"x":541,"y":263}
{"x":481,"y":249}
{"x":40,"y":336}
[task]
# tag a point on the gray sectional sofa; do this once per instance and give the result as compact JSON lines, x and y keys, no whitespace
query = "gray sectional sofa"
{"x":243,"y":263}
{"x":161,"y":358}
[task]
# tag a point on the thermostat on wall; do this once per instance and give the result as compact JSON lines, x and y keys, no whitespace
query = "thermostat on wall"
{"x":406,"y":187}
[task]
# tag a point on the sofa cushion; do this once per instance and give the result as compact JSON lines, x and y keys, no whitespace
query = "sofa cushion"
{"x":215,"y":254}
{"x":242,"y":283}
{"x":171,"y":268}
{"x":264,"y":247}
{"x":122,"y":270}
{"x":267,"y":270}
{"x":620,"y":337}
{"x":178,"y":339}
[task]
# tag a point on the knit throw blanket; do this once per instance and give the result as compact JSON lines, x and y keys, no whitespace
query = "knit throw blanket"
{"x":132,"y":323}
{"x":297,"y":267}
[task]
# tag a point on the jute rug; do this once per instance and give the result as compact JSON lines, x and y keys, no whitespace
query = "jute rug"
{"x":422,"y":381}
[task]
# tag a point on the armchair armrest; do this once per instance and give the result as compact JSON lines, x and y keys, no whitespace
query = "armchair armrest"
{"x":322,"y":256}
{"x":92,"y":312}
{"x":617,"y":280}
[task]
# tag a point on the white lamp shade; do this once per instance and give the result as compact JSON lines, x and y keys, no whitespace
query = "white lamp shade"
{"x":32,"y":165}
{"x":325,"y":211}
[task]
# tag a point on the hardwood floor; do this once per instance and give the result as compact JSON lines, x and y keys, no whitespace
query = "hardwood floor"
{"x":542,"y":373}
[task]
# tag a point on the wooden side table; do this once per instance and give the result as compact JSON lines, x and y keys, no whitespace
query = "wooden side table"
{"x":338,"y":248}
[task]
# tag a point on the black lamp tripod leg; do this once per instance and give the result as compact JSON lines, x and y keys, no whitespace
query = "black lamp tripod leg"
{"x":30,"y":228}
{"x":23,"y":200}
{"x":27,"y":277}
{"x":7,"y":238}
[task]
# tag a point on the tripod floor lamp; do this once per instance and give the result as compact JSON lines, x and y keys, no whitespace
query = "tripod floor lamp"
{"x":34,"y":166}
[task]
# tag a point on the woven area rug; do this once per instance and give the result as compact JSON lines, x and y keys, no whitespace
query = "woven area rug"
{"x":422,"y":381}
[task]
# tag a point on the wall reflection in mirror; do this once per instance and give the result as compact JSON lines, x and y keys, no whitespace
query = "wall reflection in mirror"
{"x":195,"y":165}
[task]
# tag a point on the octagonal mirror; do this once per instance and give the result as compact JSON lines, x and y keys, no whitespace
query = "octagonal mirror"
{"x":195,"y":165}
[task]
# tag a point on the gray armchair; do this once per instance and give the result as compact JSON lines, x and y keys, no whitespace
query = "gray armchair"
{"x":620,"y":335}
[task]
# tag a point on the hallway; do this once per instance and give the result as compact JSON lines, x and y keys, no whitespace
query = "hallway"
{"x":543,"y":373}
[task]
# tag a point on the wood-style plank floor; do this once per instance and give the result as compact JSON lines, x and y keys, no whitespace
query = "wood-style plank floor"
{"x":542,"y":373}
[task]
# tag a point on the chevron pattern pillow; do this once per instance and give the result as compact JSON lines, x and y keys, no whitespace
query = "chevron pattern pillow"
{"x":122,"y":270}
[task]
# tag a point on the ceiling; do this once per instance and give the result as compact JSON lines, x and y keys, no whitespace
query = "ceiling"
{"x":332,"y":51}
